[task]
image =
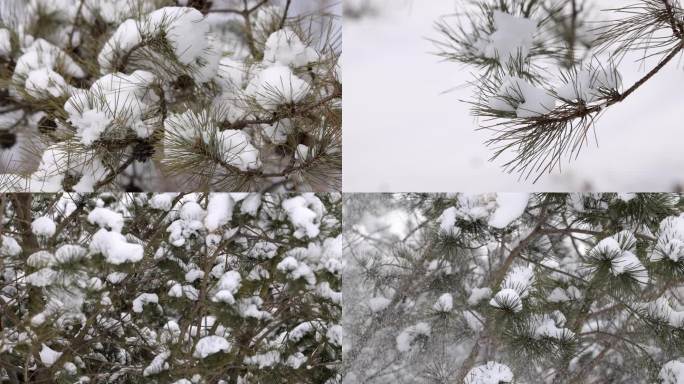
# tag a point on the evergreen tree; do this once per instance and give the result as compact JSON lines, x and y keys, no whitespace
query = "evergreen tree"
{"x":547,"y":69}
{"x":157,"y":95}
{"x":515,"y":288}
{"x":170,"y":288}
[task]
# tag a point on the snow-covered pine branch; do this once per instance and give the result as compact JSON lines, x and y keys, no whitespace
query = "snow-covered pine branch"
{"x":547,"y":69}
{"x":147,"y":95}
{"x":170,"y":288}
{"x":514,"y":288}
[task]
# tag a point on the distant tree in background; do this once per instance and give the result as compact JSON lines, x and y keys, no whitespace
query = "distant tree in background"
{"x":154,"y":95}
{"x":515,"y":288}
{"x":170,"y":288}
{"x":547,"y":69}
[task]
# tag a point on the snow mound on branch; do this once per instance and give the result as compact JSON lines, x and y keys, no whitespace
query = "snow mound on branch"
{"x":142,"y":299}
{"x":512,"y":38}
{"x":297,"y":270}
{"x":227,"y":287}
{"x":263,"y":360}
{"x":42,"y":277}
{"x":407,"y":337}
{"x":184,"y":28}
{"x":479,"y":294}
{"x":158,"y":364}
{"x":672,"y":372}
{"x":379,"y":303}
{"x":507,"y":299}
{"x":490,"y":373}
{"x":49,"y":356}
{"x":661,"y":310}
{"x":520,"y":279}
{"x":106,"y":218}
{"x":275,"y":86}
{"x":447,"y":222}
{"x":9,"y":247}
{"x":510,"y":206}
{"x":114,"y":247}
{"x":43,"y":54}
{"x":523,"y":98}
{"x":670,"y":242}
{"x":587,"y":85}
{"x":219,"y":211}
{"x":5,"y":42}
{"x":547,"y":327}
{"x":68,"y":253}
{"x":43,"y":226}
{"x":125,"y":38}
{"x":210,"y":345}
{"x":616,"y":249}
{"x":234,"y":146}
{"x":162,"y":201}
{"x":305,"y":213}
{"x":114,"y":100}
{"x":284,"y":47}
{"x":445,"y":303}
{"x":44,"y":83}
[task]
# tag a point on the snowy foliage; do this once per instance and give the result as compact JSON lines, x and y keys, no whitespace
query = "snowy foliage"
{"x":151,"y":95}
{"x":513,"y":288}
{"x":164,"y":288}
{"x":546,"y":70}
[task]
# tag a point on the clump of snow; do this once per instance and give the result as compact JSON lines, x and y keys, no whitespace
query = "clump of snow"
{"x":379,"y":303}
{"x":512,"y":38}
{"x":162,"y":201}
{"x":68,"y":253}
{"x":43,"y":226}
{"x":510,"y":206}
{"x":670,"y":242}
{"x":235,"y":146}
{"x":284,"y":47}
{"x":5,"y":42}
{"x":48,"y":355}
{"x":40,"y":259}
{"x":445,"y":303}
{"x":43,"y":54}
{"x":116,"y":102}
{"x":250,"y":205}
{"x":275,"y":86}
{"x":479,"y":294}
{"x":661,"y":310}
{"x":44,"y":83}
{"x":447,"y":222}
{"x":9,"y":247}
{"x":114,"y":247}
{"x":622,"y":259}
{"x":227,"y":287}
{"x":305,"y":213}
{"x":547,"y":327}
{"x":184,"y":28}
{"x":296,"y":270}
{"x":264,"y":360}
{"x":520,"y":279}
{"x":209,"y":345}
{"x":219,"y":210}
{"x":42,"y":277}
{"x":106,"y":218}
{"x":672,"y":372}
{"x":507,"y":299}
{"x":405,"y":339}
{"x":590,"y":85}
{"x":158,"y":364}
{"x":525,"y":99}
{"x":193,"y":275}
{"x":490,"y":373}
{"x":143,"y":299}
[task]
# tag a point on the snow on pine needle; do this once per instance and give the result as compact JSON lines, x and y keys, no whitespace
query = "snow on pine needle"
{"x":545,"y":71}
{"x":146,"y":96}
{"x":513,"y":288}
{"x":171,"y":288}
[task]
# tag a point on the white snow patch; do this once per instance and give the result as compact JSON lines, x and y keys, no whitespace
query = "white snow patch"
{"x":209,"y":345}
{"x":43,"y":226}
{"x":510,"y":206}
